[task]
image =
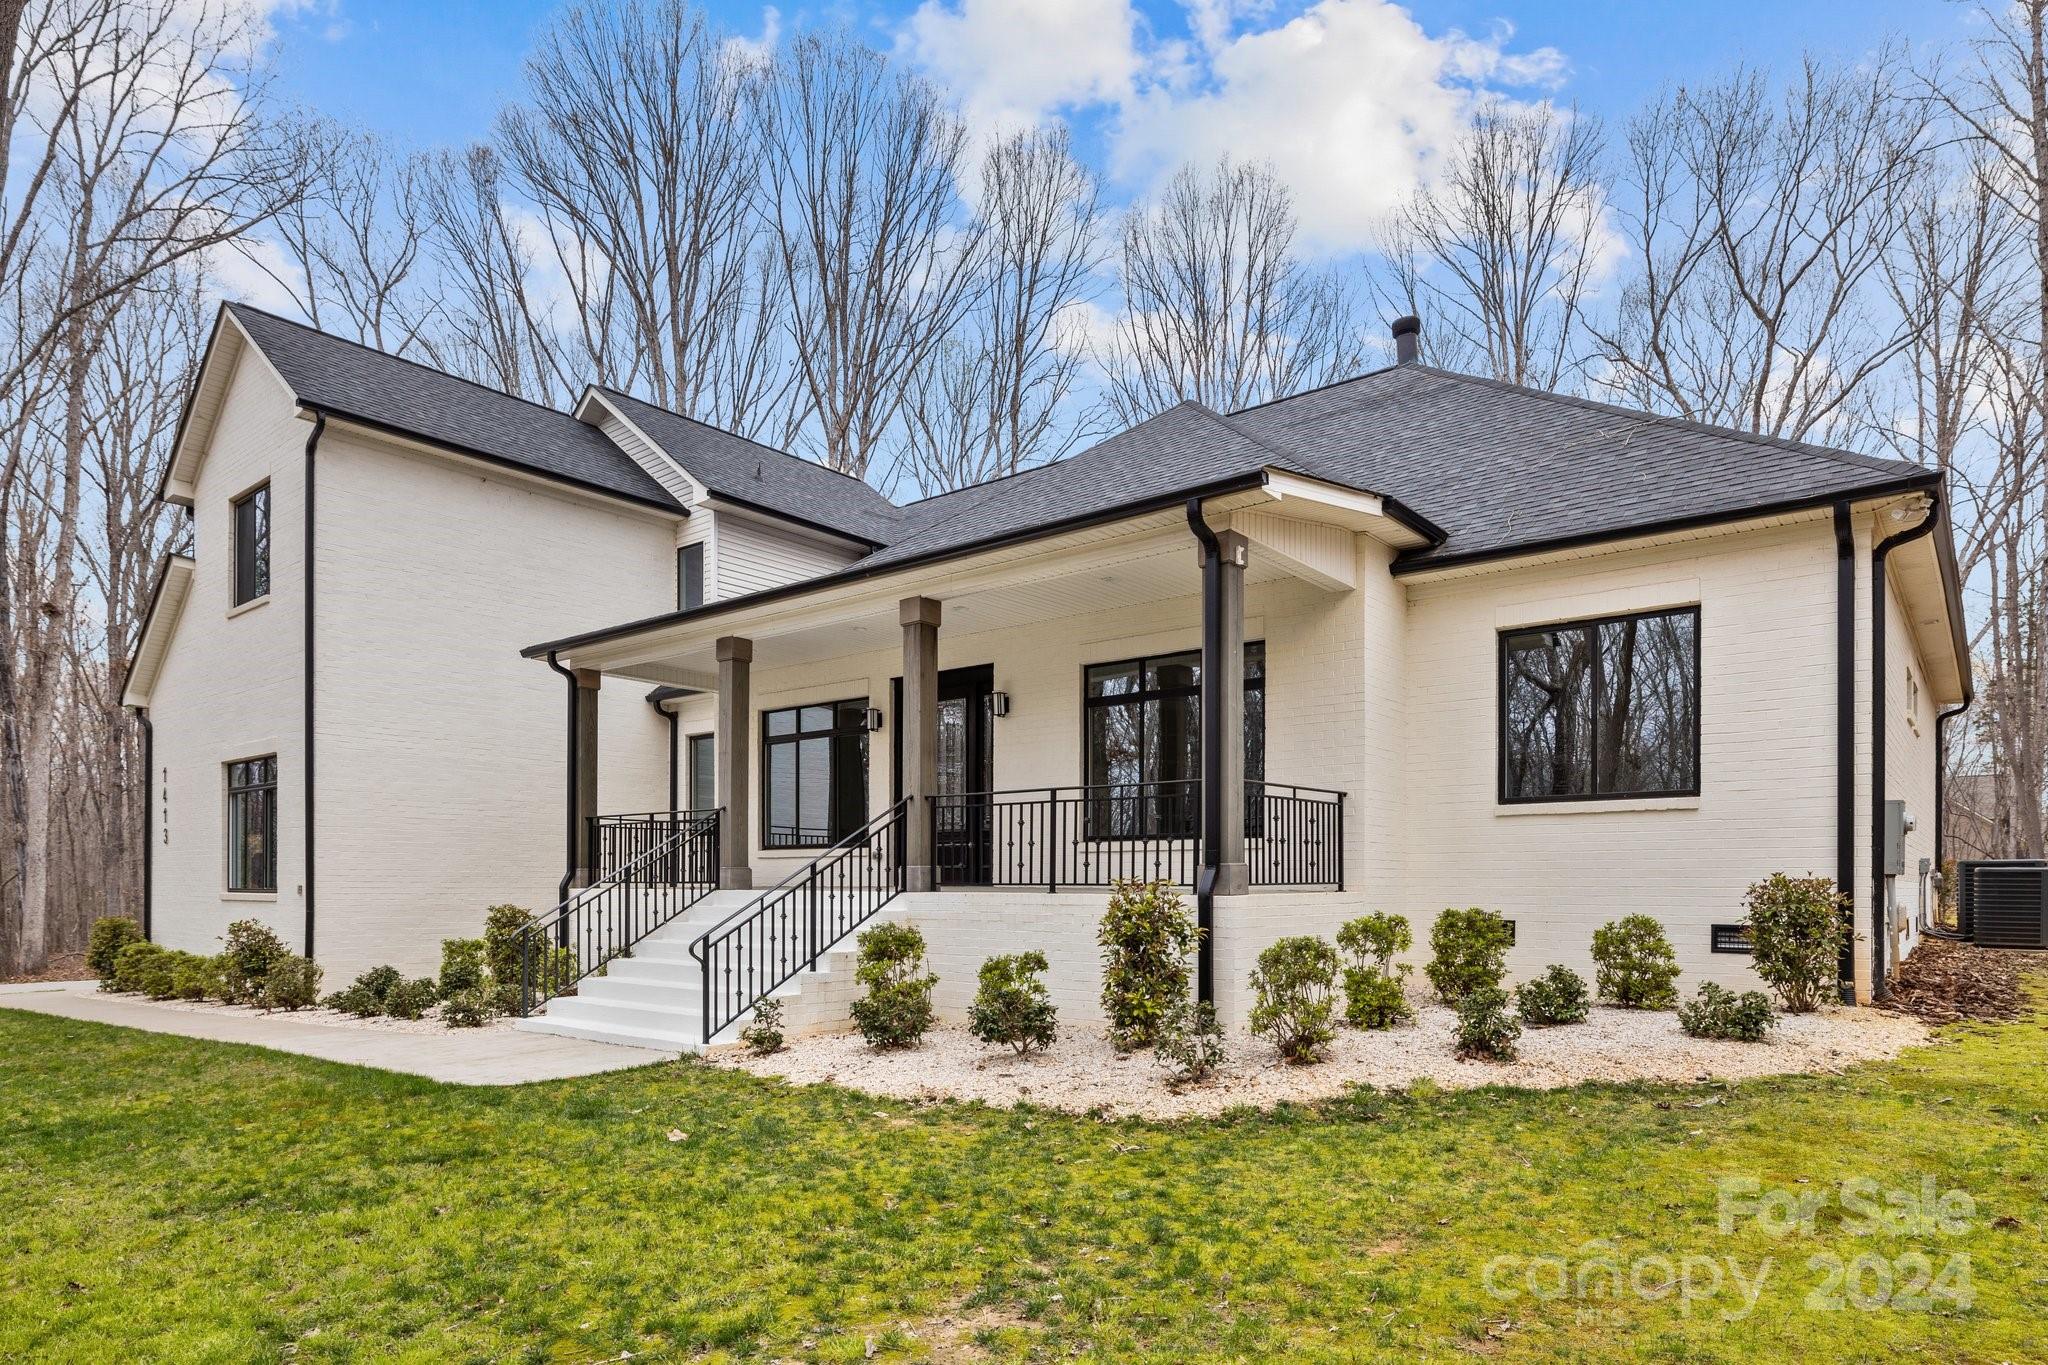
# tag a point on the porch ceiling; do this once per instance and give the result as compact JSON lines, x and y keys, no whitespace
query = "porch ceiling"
{"x":1147,"y":559}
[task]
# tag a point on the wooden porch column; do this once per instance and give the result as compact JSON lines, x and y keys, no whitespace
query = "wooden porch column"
{"x":920,"y":722}
{"x":588,"y":681}
{"x":1223,"y":714}
{"x":732,"y":753}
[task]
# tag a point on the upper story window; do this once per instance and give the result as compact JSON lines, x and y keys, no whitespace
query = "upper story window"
{"x":690,"y":576}
{"x":814,"y":773}
{"x":1601,"y":708}
{"x":1143,"y":741}
{"x":252,"y":544}
{"x":252,"y":824}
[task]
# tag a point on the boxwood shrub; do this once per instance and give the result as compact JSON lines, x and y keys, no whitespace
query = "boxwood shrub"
{"x":1468,"y":950}
{"x":1636,"y":968}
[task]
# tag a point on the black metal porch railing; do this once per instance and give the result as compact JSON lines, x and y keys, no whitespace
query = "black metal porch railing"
{"x":1146,"y":831}
{"x":617,"y":840}
{"x":668,"y":872}
{"x":1294,"y":836}
{"x":782,"y":931}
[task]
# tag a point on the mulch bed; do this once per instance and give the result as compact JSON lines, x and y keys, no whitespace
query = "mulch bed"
{"x":1945,"y":983}
{"x":62,"y":967}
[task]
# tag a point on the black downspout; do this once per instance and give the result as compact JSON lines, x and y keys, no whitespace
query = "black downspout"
{"x":312,"y":444}
{"x":1880,"y":931}
{"x":1212,"y":752}
{"x":148,"y":816}
{"x":1941,"y":720}
{"x":1845,"y":746}
{"x":569,"y":860}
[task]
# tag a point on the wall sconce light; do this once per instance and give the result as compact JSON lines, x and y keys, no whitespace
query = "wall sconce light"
{"x":874,"y":718}
{"x":999,"y":703}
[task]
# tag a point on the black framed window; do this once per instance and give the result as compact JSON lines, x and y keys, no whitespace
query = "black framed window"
{"x":703,"y":778}
{"x":814,"y":773}
{"x":1142,"y":736}
{"x":252,"y":544}
{"x":1601,"y":708}
{"x":252,"y":824}
{"x":690,"y":577}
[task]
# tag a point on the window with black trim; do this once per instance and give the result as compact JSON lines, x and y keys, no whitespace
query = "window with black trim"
{"x":814,"y":773}
{"x":1142,"y":736}
{"x":252,"y":824}
{"x":252,"y":544}
{"x":1601,"y":708}
{"x":690,"y":577}
{"x":703,"y":789}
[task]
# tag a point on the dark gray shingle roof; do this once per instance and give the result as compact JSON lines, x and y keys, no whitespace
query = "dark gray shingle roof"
{"x":351,"y":380}
{"x":1493,"y":466}
{"x":1496,"y":467}
{"x":1503,"y":468}
{"x":1184,"y":448}
{"x":737,"y":469}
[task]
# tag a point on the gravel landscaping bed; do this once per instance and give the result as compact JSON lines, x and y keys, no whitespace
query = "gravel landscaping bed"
{"x":429,"y":1023}
{"x":1082,"y":1073}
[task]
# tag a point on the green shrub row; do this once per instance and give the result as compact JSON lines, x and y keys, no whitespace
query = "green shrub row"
{"x":254,"y":968}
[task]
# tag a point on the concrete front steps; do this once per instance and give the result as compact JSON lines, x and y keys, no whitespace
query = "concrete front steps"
{"x":654,"y":999}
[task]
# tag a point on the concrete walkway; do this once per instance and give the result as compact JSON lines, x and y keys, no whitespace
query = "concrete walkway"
{"x":490,"y":1056}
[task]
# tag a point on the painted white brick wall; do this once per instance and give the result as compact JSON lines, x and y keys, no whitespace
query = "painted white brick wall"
{"x":441,"y":761}
{"x":231,"y":682}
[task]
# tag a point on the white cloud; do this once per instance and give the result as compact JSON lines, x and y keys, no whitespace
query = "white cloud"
{"x":1015,"y":61}
{"x":1350,"y":101}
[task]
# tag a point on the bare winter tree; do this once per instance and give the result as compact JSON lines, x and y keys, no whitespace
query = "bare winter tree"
{"x":1216,"y":307}
{"x":149,"y":150}
{"x":1999,"y":97}
{"x":636,"y":142}
{"x":1757,"y":222}
{"x":860,"y":164}
{"x":496,"y":326}
{"x":1501,"y":252}
{"x":996,"y":398}
{"x":351,"y":250}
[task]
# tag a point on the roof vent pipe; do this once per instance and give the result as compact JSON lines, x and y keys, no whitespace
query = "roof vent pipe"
{"x":1407,"y":339}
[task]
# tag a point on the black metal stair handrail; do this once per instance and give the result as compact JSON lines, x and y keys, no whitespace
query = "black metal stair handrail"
{"x":784,"y":930}
{"x":604,"y":920}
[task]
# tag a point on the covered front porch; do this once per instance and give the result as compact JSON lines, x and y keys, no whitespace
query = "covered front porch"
{"x":1176,"y":696}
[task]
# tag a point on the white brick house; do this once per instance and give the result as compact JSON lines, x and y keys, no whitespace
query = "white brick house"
{"x":1484,"y":646}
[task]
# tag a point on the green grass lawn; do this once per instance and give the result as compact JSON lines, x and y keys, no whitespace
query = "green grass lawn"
{"x":170,"y":1199}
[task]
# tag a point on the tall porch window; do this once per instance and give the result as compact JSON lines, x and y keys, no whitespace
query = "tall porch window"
{"x":814,"y":765}
{"x":1143,"y":739}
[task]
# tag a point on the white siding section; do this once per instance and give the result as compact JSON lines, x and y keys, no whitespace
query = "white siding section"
{"x":230,"y":685}
{"x":753,"y":554}
{"x":644,"y":453}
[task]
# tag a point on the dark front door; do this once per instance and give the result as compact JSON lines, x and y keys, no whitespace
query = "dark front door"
{"x":966,"y":775}
{"x":966,"y":762}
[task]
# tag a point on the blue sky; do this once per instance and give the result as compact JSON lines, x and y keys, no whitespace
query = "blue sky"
{"x":435,"y":73}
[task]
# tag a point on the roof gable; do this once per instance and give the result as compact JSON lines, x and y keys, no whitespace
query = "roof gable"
{"x":351,"y":381}
{"x":770,"y":481}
